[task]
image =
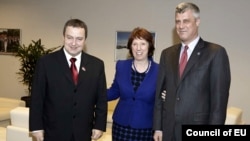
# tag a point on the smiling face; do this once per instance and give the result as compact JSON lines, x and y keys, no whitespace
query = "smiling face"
{"x":140,"y":49}
{"x":186,"y":26}
{"x":74,"y":40}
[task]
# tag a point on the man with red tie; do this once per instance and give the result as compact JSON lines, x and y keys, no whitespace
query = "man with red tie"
{"x":66,"y":105}
{"x":197,"y":87}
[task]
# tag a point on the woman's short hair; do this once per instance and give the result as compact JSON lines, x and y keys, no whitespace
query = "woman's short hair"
{"x":141,"y":33}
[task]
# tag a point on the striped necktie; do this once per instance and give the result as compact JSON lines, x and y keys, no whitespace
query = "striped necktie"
{"x":183,"y":61}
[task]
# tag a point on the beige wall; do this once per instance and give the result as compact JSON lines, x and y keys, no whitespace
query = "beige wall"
{"x":222,"y":21}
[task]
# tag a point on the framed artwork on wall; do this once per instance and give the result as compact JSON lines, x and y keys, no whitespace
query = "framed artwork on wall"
{"x":9,"y":40}
{"x":121,"y":51}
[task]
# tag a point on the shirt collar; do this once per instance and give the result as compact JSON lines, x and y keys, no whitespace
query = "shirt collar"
{"x":192,"y":44}
{"x":68,"y":56}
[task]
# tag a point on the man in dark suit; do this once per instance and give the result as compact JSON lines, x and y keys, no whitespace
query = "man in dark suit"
{"x":200,"y":94}
{"x":64,"y":110}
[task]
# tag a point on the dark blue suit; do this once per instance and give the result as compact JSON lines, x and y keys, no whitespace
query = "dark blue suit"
{"x":134,"y":109}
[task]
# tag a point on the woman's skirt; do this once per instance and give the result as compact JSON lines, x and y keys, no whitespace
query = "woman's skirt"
{"x":124,"y":133}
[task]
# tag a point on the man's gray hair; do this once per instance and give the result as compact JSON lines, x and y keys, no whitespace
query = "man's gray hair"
{"x":183,"y":7}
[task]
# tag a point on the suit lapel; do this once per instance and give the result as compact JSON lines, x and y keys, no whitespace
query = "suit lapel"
{"x":176,"y":63}
{"x":83,"y":68}
{"x":194,"y":58}
{"x":64,"y":64}
{"x":176,"y":55}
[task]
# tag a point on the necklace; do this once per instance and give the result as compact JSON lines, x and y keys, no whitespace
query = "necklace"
{"x":146,"y":71}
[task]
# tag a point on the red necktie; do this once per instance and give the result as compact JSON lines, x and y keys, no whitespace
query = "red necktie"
{"x":183,"y":61}
{"x":74,"y":70}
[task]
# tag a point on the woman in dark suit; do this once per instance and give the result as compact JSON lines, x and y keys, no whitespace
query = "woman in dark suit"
{"x":64,"y":109}
{"x":200,"y":94}
{"x":134,"y":84}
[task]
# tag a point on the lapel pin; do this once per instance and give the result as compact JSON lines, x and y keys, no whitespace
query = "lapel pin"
{"x":198,"y":53}
{"x":83,"y":69}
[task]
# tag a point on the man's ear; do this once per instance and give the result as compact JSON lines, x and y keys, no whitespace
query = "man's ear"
{"x":198,"y":21}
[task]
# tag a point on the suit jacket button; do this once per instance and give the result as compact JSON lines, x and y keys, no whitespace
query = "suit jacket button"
{"x":177,"y":98}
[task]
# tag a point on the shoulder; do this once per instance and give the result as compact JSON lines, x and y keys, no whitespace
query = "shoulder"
{"x":153,"y":63}
{"x":124,"y":62}
{"x":50,"y":55}
{"x":92,"y":63}
{"x":91,"y":57}
{"x":154,"y":66}
{"x":213,"y":47}
{"x":172,"y":48}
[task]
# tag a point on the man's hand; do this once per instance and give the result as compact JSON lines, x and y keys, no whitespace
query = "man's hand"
{"x":163,"y":95}
{"x":38,"y":135}
{"x":96,"y":134}
{"x":158,"y":136}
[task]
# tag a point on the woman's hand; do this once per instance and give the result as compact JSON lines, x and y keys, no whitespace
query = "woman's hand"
{"x":163,"y":95}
